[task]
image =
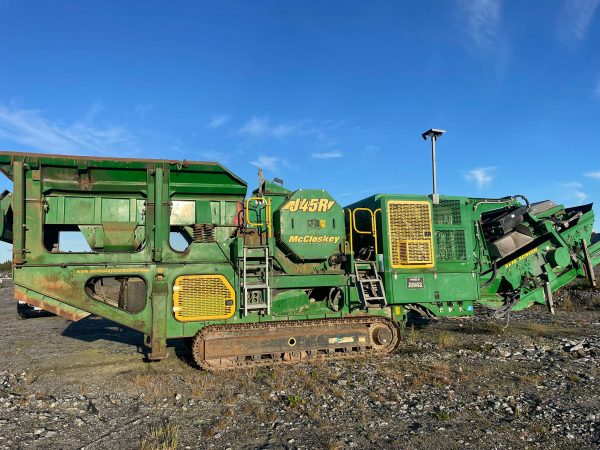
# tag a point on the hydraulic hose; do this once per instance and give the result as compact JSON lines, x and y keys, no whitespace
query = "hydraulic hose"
{"x":525,"y":199}
{"x":496,"y":201}
{"x":494,"y":275}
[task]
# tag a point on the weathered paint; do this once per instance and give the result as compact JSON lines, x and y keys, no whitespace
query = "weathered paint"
{"x":126,"y":210}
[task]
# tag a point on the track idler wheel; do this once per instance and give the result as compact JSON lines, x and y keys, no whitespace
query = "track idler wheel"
{"x":382,"y":336}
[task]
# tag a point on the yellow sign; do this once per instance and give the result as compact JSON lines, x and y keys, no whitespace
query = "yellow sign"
{"x":308,"y":239}
{"x":115,"y":270}
{"x":522,"y":257}
{"x":309,"y":205}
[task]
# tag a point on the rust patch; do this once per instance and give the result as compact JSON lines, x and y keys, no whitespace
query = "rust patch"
{"x":50,"y":308}
{"x":97,"y":158}
{"x":85,"y":181}
{"x":239,"y":211}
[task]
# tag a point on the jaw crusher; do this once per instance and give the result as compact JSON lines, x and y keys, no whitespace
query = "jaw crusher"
{"x":176,"y":250}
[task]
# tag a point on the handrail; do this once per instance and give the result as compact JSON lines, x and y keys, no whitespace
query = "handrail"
{"x":267,"y":221}
{"x":378,"y":210}
{"x":351,"y":225}
{"x":372,"y":231}
{"x":354,"y":211}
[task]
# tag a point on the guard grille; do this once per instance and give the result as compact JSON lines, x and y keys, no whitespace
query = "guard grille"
{"x":203,"y":297}
{"x":451,"y":245}
{"x":539,"y":207}
{"x":410,"y":234}
{"x":204,"y":232}
{"x":447,"y":212}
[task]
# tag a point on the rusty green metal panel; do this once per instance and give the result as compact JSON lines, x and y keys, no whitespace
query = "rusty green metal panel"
{"x":127,"y":210}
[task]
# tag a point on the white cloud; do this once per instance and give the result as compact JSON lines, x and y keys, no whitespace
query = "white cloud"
{"x":31,"y":129}
{"x":94,"y":111}
{"x":576,"y":17}
{"x":214,"y":155}
{"x":483,"y":22}
{"x":142,"y":109}
{"x":265,"y":127}
{"x":574,"y":190}
{"x":595,"y":175}
{"x":267,"y":162}
{"x":328,"y":155}
{"x":483,"y":176}
{"x":219,"y":120}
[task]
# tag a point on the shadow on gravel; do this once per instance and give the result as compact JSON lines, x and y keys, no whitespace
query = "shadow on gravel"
{"x":418,"y":322}
{"x":94,"y":328}
{"x":183,"y":351}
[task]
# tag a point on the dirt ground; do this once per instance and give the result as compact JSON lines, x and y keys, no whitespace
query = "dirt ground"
{"x":451,"y":384}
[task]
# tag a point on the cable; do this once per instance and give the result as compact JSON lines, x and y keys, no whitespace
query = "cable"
{"x":525,"y":199}
{"x":504,"y":311}
{"x":494,"y":274}
{"x":495,"y":201}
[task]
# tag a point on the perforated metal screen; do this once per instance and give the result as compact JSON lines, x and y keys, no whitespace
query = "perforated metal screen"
{"x":451,"y":245}
{"x":447,"y":212}
{"x":203,"y":297}
{"x":410,"y":234}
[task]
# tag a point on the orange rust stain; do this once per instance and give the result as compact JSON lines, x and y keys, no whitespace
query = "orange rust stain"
{"x":50,"y":308}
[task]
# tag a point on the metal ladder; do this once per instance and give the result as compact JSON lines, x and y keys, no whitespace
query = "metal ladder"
{"x":263,"y":268}
{"x":372,"y":292}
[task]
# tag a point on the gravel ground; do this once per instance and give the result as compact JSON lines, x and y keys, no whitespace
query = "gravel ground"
{"x":452,"y":384}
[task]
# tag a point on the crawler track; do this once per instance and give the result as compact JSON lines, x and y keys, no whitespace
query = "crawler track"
{"x":222,"y":347}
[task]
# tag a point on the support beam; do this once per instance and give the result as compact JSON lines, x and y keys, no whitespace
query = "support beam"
{"x":549,"y":298}
{"x":589,"y":267}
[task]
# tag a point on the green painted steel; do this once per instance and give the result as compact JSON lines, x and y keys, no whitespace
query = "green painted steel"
{"x":310,"y":225}
{"x":467,"y":272}
{"x":144,"y":224}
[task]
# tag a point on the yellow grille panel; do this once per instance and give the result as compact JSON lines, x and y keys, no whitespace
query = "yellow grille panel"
{"x":410,"y":234}
{"x":203,"y":297}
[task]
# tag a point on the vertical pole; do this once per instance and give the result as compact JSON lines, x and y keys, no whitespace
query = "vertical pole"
{"x":18,"y":212}
{"x":160,"y":288}
{"x":158,"y":334}
{"x":549,"y":298}
{"x":158,"y":214}
{"x":150,"y":205}
{"x":589,"y":267}
{"x":433,"y":134}
{"x":435,"y":196}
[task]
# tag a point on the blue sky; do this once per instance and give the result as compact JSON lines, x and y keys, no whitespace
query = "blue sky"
{"x":330,"y":94}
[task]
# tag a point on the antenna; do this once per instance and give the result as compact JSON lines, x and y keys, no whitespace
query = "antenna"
{"x":433,"y":134}
{"x":261,"y":182}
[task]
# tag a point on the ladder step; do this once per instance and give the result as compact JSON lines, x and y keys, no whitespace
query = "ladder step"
{"x":256,"y":266}
{"x":256,"y":251}
{"x":368,"y":282}
{"x":251,"y":286}
{"x":256,"y":259}
{"x":251,"y":306}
